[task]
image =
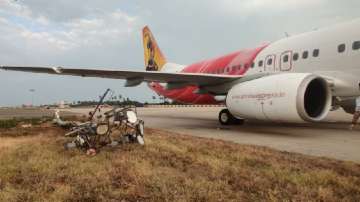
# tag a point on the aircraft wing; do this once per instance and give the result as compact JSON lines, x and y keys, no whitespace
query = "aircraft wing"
{"x":134,"y":78}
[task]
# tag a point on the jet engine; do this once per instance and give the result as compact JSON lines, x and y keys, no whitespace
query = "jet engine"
{"x":288,"y":97}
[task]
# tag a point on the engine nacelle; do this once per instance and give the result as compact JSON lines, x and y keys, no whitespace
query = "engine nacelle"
{"x":290,"y":97}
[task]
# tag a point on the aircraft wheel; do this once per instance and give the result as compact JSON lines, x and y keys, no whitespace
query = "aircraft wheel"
{"x":226,"y":118}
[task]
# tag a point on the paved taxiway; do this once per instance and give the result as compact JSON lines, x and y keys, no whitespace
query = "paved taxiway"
{"x":330,"y":139}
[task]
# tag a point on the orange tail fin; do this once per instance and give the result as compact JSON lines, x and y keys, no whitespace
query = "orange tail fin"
{"x":154,"y":59}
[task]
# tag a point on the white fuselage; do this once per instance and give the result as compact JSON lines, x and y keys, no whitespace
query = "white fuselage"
{"x":342,"y":70}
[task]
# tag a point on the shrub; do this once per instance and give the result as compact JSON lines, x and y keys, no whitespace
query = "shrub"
{"x":6,"y":124}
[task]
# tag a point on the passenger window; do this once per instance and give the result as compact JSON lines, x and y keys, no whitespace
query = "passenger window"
{"x":305,"y":55}
{"x":239,"y":67}
{"x":356,"y":45}
{"x":341,"y":48}
{"x":252,"y":64}
{"x":246,"y":66}
{"x":269,"y":62}
{"x":286,"y":58}
{"x":261,"y":63}
{"x":296,"y":56}
{"x":316,"y":53}
{"x":234,"y":68}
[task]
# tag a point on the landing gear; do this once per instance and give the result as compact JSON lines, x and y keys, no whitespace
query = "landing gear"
{"x":226,"y":118}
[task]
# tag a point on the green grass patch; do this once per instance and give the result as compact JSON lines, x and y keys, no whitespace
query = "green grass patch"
{"x":12,"y":123}
{"x":6,"y":124}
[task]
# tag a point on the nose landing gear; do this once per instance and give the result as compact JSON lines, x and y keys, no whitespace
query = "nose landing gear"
{"x":226,"y":118}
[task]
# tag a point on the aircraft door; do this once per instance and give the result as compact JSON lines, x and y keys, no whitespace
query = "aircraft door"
{"x":286,"y":61}
{"x":270,"y":63}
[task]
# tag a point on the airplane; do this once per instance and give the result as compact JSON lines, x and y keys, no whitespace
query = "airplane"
{"x":297,"y":79}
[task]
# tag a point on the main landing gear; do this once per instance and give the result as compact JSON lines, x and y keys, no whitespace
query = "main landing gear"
{"x":226,"y":118}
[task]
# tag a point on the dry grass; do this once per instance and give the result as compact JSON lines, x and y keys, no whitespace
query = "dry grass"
{"x":12,"y":123}
{"x":169,"y":168}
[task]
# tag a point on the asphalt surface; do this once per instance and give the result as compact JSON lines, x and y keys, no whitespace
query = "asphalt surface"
{"x":329,"y":139}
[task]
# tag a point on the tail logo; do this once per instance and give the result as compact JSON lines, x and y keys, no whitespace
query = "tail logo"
{"x":150,"y":48}
{"x":154,"y":59}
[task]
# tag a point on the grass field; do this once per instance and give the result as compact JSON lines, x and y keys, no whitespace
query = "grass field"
{"x":170,"y":167}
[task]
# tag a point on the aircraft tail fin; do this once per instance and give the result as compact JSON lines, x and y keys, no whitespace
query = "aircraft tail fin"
{"x":154,"y":59}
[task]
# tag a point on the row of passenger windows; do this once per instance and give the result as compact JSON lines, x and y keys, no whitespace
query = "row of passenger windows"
{"x":229,"y":69}
{"x":315,"y":53}
{"x":355,"y":46}
{"x":295,"y":57}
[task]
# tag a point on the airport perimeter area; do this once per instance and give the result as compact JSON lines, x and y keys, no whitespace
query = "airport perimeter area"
{"x":175,"y":165}
{"x":172,"y":166}
{"x":330,"y":139}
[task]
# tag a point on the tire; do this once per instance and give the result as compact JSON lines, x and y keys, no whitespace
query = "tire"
{"x":226,"y":118}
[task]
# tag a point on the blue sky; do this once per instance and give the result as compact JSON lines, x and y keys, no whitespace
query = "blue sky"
{"x":107,"y":34}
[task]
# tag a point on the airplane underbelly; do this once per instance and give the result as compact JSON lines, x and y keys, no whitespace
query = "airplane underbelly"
{"x":184,"y":95}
